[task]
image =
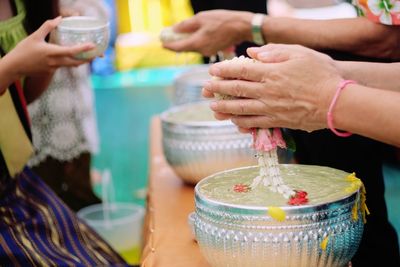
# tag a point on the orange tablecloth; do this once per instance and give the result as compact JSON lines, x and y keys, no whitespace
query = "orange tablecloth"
{"x":168,"y":241}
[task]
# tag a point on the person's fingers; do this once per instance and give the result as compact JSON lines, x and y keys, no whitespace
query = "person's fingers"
{"x":236,"y":88}
{"x":184,"y":45}
{"x":47,"y":27}
{"x":222,"y":116}
{"x":207,"y":93}
{"x":248,"y":122}
{"x":272,"y":53}
{"x":244,"y":130}
{"x":71,"y":51}
{"x":238,"y":107}
{"x":196,"y":42}
{"x":238,"y":69}
{"x":66,"y":62}
{"x":187,"y":26}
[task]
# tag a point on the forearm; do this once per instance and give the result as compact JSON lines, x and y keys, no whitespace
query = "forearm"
{"x":7,"y":75}
{"x":369,"y":112}
{"x":35,"y":86}
{"x":376,"y":75}
{"x":357,"y":35}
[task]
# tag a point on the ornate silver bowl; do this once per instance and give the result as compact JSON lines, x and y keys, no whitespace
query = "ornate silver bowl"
{"x":197,"y":148}
{"x":187,"y":86}
{"x":82,"y":29}
{"x":246,"y":236}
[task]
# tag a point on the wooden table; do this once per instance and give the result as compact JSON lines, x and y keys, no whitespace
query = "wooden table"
{"x":168,"y":240}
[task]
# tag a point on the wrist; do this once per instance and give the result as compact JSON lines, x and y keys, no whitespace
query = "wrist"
{"x":9,"y":68}
{"x":244,"y":28}
{"x":342,"y":68}
{"x":331,"y":122}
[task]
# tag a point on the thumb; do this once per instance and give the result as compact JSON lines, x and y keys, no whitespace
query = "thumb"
{"x":270,"y":54}
{"x":187,"y":26}
{"x":47,"y":27}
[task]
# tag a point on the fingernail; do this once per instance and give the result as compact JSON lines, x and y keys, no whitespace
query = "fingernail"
{"x":263,"y":55}
{"x":254,"y":49}
{"x":213,"y":105}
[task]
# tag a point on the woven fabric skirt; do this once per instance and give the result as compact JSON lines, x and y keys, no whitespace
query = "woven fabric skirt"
{"x":38,"y":229}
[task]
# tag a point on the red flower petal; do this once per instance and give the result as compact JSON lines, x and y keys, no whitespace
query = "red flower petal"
{"x":241,"y":188}
{"x":299,"y":198}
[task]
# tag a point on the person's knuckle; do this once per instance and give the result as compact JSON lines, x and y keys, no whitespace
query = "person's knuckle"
{"x":237,"y":90}
{"x":244,"y":72}
{"x":242,"y":107}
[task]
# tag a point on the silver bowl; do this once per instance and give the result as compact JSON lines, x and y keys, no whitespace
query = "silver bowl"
{"x":197,"y":148}
{"x":187,"y":86}
{"x":245,"y":236}
{"x":82,"y":29}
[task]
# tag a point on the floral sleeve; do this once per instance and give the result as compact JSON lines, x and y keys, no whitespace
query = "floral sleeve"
{"x":380,"y":11}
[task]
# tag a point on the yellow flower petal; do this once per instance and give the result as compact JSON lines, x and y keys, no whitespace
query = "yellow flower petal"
{"x":277,"y":213}
{"x":324,"y":243}
{"x":352,"y":177}
{"x":354,"y":212}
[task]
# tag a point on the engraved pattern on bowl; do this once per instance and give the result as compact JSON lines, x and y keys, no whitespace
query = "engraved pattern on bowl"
{"x":90,"y":30}
{"x":195,"y":150}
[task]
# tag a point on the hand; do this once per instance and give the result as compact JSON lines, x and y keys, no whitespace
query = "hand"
{"x":35,"y":57}
{"x":290,"y":86}
{"x":212,"y":31}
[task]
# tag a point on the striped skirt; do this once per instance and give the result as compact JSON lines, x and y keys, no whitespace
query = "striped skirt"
{"x":38,"y":229}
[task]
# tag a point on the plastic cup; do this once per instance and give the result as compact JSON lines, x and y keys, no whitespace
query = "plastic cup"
{"x":120,"y":224}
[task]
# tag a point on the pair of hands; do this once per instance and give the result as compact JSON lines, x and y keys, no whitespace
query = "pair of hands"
{"x":290,"y":86}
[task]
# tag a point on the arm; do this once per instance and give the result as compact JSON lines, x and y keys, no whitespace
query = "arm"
{"x":216,"y":30}
{"x":369,"y":112}
{"x":357,"y":35}
{"x":377,"y":75}
{"x":7,"y":74}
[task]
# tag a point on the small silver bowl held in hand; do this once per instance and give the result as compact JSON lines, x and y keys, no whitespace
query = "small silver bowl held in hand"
{"x":82,"y":29}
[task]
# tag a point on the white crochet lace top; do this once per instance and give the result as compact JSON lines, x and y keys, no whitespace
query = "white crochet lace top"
{"x":63,"y":118}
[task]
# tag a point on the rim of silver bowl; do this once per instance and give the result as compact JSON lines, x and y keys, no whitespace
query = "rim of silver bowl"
{"x":164,"y":116}
{"x":220,"y":208}
{"x":104,"y":24}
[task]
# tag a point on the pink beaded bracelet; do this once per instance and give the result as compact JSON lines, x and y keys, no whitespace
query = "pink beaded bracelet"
{"x":329,"y":116}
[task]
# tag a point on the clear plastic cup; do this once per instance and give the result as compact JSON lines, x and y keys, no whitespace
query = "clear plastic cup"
{"x":120,"y":224}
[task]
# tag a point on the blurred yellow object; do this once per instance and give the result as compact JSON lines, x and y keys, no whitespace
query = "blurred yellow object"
{"x":140,"y":50}
{"x":150,"y":15}
{"x":139,"y":25}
